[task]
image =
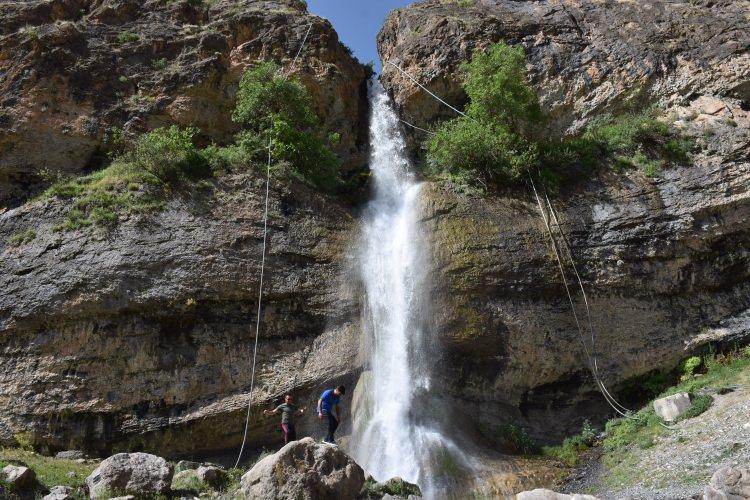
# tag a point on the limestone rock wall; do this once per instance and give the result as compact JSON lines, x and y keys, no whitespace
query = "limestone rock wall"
{"x":141,"y":338}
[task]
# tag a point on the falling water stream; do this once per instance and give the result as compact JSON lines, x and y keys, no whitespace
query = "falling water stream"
{"x":397,"y":433}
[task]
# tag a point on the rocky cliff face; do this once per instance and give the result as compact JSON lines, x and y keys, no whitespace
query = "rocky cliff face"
{"x":665,"y":261}
{"x":141,"y":337}
{"x":584,"y":57}
{"x":73,"y":69}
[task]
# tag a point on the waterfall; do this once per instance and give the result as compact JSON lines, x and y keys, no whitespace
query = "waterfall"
{"x":397,"y":427}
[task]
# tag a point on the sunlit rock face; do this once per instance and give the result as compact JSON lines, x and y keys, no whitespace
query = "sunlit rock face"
{"x":584,"y":57}
{"x":74,"y":69}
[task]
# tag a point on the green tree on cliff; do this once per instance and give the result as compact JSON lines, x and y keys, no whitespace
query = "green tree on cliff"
{"x":493,"y":143}
{"x":272,"y":106}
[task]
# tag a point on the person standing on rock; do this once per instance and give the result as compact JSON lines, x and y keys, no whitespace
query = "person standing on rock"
{"x":328,"y":402}
{"x":288,"y":411}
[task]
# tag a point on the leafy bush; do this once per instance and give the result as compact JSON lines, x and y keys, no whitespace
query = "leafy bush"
{"x":698,"y":405}
{"x":639,"y":140}
{"x":517,"y":440}
{"x":492,"y":143}
{"x":689,"y":366}
{"x":169,"y":155}
{"x":570,"y":450}
{"x":271,"y":106}
{"x":127,"y":36}
{"x":159,"y":64}
{"x":501,"y":138}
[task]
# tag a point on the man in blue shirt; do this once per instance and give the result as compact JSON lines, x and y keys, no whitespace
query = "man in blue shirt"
{"x":329,"y":401}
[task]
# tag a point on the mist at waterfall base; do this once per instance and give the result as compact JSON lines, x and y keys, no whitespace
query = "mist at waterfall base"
{"x":398,"y":429}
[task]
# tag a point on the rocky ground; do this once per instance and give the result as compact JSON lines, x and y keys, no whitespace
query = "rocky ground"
{"x":681,"y":461}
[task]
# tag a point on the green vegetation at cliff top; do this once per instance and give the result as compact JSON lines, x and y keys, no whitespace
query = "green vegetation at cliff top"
{"x":144,"y":171}
{"x":503,"y":136}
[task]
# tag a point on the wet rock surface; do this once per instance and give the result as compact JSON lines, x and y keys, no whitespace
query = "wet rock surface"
{"x":73,"y":69}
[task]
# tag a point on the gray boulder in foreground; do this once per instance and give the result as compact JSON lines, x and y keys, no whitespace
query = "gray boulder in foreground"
{"x":60,"y":493}
{"x":304,"y":469}
{"x":542,"y":494}
{"x":729,"y":483}
{"x":18,"y":477}
{"x":671,"y":407}
{"x":130,"y":473}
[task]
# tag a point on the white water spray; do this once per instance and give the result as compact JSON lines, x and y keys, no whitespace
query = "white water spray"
{"x":396,"y":431}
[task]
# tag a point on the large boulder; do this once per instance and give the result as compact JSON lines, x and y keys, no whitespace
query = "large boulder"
{"x":305,"y":470}
{"x":670,"y":408}
{"x":133,"y":473}
{"x":729,"y":483}
{"x":18,"y":477}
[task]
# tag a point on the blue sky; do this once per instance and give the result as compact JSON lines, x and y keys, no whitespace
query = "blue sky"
{"x":357,"y":22}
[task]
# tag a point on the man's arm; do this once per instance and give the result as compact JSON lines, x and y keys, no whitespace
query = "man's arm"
{"x":271,"y":412}
{"x":320,"y":412}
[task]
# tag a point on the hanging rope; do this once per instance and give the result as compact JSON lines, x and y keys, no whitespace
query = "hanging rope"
{"x":428,"y":90}
{"x":260,"y":297}
{"x":262,"y":270}
{"x":299,"y":51}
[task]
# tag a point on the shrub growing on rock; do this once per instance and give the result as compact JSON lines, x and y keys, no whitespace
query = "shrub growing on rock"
{"x":492,"y":143}
{"x":502,"y":137}
{"x":273,"y":107}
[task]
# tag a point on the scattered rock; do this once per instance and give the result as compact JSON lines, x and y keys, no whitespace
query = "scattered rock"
{"x":60,"y":493}
{"x":393,"y":488}
{"x":186,"y":465}
{"x":211,"y":475}
{"x":542,"y":494}
{"x":136,"y":473}
{"x":71,"y":455}
{"x":671,"y":407}
{"x":729,"y":483}
{"x":186,"y":480}
{"x":19,"y":478}
{"x":304,"y":469}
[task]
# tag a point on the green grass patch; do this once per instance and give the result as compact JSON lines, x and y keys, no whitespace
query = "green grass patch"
{"x":135,"y":182}
{"x":127,"y":36}
{"x":642,"y":428}
{"x":570,"y":450}
{"x":516,"y":439}
{"x":49,"y":471}
{"x":21,"y":238}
